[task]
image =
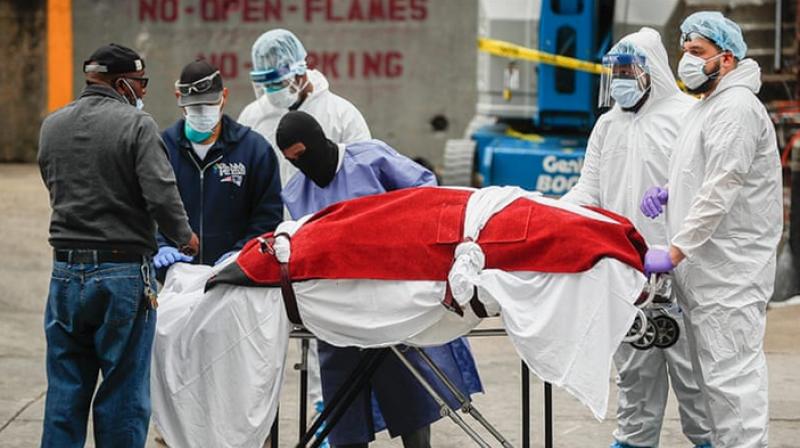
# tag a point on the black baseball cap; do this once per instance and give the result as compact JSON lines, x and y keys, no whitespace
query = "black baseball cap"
{"x":200,"y":83}
{"x":113,"y":59}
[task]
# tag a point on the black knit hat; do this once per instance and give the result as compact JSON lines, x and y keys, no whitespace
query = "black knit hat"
{"x":113,"y":59}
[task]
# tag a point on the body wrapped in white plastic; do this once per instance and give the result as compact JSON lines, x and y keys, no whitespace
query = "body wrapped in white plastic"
{"x":218,"y":356}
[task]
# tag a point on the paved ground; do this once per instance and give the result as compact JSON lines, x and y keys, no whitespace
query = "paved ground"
{"x":24,"y":272}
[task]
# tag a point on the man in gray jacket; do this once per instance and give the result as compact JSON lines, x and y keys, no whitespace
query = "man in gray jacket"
{"x":110,"y":182}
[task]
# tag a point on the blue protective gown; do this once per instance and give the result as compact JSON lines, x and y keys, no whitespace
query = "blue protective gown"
{"x":366,"y":168}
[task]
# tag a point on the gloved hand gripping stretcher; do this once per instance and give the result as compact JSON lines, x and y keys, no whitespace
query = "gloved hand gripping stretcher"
{"x":416,"y":266}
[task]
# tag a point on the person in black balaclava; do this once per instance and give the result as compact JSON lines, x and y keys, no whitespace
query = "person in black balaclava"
{"x":331,"y":173}
{"x":304,"y":144}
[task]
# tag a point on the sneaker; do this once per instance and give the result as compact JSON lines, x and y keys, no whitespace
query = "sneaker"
{"x":319,"y":406}
{"x":618,"y":444}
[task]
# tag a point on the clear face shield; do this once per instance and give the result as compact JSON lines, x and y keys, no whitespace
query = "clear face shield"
{"x":277,"y":87}
{"x":626,"y":71}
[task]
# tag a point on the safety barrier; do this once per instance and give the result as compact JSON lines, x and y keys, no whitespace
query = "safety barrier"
{"x":509,"y":50}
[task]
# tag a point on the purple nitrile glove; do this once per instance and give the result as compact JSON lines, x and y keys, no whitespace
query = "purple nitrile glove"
{"x":652,"y":201}
{"x":657,"y":261}
{"x":168,"y":255}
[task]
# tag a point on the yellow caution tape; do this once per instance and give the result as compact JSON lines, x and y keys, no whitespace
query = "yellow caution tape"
{"x":536,"y":138}
{"x":514,"y":51}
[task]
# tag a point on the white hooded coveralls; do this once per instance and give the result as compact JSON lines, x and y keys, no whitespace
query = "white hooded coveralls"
{"x":627,"y":153}
{"x":725,"y":213}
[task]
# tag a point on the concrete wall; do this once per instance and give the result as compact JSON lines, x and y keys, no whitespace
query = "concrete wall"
{"x":401,"y":62}
{"x":22,"y":44}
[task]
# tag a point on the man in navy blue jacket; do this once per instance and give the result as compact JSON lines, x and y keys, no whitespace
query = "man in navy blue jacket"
{"x":227,"y":174}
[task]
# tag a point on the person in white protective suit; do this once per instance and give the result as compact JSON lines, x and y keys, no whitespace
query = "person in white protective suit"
{"x":724,"y":214}
{"x":629,"y":151}
{"x":282,"y":82}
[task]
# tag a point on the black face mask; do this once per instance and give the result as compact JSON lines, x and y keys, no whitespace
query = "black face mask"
{"x":321,"y":156}
{"x":319,"y":162}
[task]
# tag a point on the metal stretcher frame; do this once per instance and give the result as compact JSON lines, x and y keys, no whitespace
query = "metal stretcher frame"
{"x":362,"y":373}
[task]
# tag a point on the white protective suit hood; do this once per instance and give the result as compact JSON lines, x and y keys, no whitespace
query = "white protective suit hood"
{"x":662,"y":81}
{"x":747,"y":74}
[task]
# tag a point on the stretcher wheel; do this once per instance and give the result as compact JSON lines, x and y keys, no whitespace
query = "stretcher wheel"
{"x":649,"y":337}
{"x":667,"y":331}
{"x":637,"y":327}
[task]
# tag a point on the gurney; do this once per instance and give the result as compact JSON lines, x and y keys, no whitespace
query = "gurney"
{"x":321,"y":423}
{"x":564,"y":280}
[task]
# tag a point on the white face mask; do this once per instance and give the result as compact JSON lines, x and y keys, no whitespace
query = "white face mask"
{"x":626,"y":92}
{"x":139,"y":103}
{"x":203,"y":117}
{"x":691,"y":72}
{"x":285,"y":97}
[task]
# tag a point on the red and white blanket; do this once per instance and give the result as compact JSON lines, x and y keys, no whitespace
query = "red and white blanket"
{"x":373,"y":272}
{"x":411,"y":234}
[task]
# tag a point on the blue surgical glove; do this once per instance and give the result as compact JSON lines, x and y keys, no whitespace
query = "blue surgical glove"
{"x":653,"y":200}
{"x":168,"y":255}
{"x":657,"y":261}
{"x":224,"y":257}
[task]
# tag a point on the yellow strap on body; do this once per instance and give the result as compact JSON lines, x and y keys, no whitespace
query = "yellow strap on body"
{"x":514,"y":51}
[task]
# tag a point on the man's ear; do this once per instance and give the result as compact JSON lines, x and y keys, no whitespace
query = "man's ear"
{"x":224,"y":97}
{"x":118,"y":84}
{"x":177,"y":95}
{"x":729,"y":60}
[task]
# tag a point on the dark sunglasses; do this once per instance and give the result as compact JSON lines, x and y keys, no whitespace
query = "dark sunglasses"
{"x":199,"y":86}
{"x":142,"y":81}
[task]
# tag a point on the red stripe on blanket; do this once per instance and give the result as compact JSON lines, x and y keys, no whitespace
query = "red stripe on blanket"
{"x":411,"y":234}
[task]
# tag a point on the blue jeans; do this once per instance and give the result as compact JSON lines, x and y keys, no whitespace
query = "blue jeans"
{"x":98,"y":320}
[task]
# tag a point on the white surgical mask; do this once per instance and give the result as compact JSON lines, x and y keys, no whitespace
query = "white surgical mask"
{"x":283,"y":98}
{"x":690,"y":70}
{"x":203,"y":117}
{"x":139,"y":103}
{"x":626,"y":92}
{"x":287,"y":96}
